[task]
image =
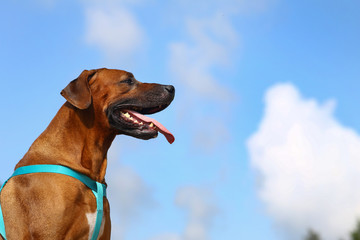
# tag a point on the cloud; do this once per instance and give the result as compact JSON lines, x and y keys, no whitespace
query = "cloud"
{"x":201,"y":211}
{"x":128,"y":194}
{"x":308,"y":165}
{"x":210,"y":42}
{"x":209,"y":45}
{"x":113,"y":29}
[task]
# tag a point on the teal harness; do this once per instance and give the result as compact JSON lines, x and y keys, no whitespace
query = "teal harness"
{"x":98,"y":189}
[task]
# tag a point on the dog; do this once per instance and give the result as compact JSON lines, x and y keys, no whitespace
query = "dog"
{"x":101,"y":104}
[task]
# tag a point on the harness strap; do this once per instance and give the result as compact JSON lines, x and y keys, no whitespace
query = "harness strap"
{"x":98,"y":189}
{"x":99,"y":209}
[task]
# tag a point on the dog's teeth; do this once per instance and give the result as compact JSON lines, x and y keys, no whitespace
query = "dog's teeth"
{"x":151,"y":125}
{"x":127,"y":115}
{"x":136,"y":121}
{"x":141,"y":123}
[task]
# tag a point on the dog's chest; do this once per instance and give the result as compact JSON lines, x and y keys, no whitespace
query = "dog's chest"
{"x":91,"y":217}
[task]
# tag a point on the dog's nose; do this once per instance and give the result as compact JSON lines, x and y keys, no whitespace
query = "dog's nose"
{"x":170,"y":88}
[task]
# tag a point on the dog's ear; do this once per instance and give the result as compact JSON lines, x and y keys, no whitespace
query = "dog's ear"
{"x":77,"y":92}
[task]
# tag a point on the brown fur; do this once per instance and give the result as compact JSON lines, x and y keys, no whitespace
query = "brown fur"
{"x":53,"y":206}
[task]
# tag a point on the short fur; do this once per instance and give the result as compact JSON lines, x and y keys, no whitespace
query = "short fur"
{"x":52,"y":206}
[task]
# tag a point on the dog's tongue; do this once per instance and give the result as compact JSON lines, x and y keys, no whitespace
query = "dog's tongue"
{"x":169,"y":137}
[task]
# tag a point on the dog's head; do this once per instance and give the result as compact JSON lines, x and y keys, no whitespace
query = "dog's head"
{"x":122,"y":100}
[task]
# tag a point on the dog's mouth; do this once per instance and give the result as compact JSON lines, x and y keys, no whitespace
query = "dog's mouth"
{"x":131,"y":120}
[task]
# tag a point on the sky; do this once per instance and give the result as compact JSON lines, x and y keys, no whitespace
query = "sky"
{"x":265,"y":117}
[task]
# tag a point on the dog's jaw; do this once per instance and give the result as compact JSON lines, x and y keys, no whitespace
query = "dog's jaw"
{"x":127,"y":115}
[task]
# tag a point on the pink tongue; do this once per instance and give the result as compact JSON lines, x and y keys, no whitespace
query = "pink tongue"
{"x":169,"y":137}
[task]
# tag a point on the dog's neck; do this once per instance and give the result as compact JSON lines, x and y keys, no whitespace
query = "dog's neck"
{"x":78,"y":132}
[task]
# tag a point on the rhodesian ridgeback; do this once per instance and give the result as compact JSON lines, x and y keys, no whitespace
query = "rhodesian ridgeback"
{"x":100,"y":104}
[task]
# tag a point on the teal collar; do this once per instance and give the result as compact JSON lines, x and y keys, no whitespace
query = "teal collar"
{"x":98,"y":189}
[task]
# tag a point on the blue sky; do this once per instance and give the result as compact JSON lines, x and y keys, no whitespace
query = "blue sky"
{"x":264,"y":117}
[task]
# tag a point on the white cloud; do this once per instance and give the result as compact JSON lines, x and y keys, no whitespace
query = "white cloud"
{"x":128,"y":195}
{"x":201,"y":211}
{"x":210,"y":44}
{"x":113,"y":29}
{"x":208,"y":47}
{"x":309,"y":165}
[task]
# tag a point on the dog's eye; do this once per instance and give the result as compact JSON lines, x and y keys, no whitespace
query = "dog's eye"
{"x":129,"y":81}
